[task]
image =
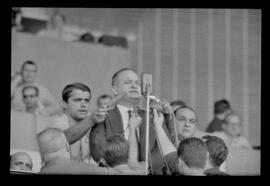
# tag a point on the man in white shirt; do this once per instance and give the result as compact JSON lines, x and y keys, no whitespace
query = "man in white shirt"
{"x":76,"y":100}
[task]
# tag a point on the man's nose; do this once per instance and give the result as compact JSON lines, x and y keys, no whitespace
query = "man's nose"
{"x":187,"y":123}
{"x":83,"y":104}
{"x":134,"y":84}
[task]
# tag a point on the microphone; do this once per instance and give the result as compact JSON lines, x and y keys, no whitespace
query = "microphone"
{"x":146,"y":84}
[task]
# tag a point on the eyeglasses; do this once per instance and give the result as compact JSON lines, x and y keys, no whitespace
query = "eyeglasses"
{"x":30,"y":96}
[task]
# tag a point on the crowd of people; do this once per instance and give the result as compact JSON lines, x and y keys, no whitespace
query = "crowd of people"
{"x":57,"y":28}
{"x":112,"y":138}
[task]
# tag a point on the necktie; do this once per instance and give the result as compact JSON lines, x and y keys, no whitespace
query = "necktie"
{"x":137,"y":130}
{"x":127,"y":126}
{"x":129,"y":114}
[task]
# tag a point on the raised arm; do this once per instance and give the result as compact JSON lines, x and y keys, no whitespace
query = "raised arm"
{"x":15,"y":81}
{"x":76,"y":132}
{"x":165,"y":144}
{"x":134,"y":122}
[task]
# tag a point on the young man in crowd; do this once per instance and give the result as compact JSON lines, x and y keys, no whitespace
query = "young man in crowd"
{"x":218,"y":153}
{"x":76,"y":100}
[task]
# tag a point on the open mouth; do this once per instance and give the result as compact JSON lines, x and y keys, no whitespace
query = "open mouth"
{"x":134,"y":91}
{"x":83,"y":111}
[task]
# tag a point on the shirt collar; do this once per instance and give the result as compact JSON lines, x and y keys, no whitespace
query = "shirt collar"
{"x":123,"y":108}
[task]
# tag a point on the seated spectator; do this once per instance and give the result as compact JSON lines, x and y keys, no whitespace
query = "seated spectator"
{"x":87,"y":37}
{"x":103,"y":99}
{"x":56,"y":28}
{"x":55,"y":152}
{"x":218,"y":153}
{"x":191,"y":155}
{"x":21,"y":161}
{"x":32,"y":104}
{"x":231,"y":133}
{"x":221,"y":109}
{"x":27,"y":77}
{"x":16,"y":19}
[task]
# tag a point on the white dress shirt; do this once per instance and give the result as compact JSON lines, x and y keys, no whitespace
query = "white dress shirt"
{"x":125,"y":119}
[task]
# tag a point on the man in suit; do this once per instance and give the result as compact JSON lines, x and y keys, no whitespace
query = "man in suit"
{"x":126,"y":82}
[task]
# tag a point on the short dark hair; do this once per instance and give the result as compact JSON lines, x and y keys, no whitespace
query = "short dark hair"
{"x":30,"y":87}
{"x":221,"y":106}
{"x":217,"y":149}
{"x":193,"y":151}
{"x":69,"y":88}
{"x":116,"y":74}
{"x":116,"y":150}
{"x":29,"y":63}
{"x":103,"y":96}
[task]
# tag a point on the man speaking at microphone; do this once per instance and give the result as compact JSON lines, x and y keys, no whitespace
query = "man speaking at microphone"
{"x":126,"y":82}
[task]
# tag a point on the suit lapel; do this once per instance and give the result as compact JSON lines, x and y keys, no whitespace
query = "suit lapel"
{"x":115,"y":123}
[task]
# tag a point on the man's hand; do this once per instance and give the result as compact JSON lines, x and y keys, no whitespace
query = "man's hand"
{"x":135,"y":121}
{"x":99,"y":114}
{"x":167,"y":108}
{"x":17,"y":78}
{"x":158,"y":118}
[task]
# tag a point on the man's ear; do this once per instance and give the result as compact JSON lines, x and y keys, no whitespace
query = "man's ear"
{"x":180,"y":165}
{"x":208,"y":162}
{"x":115,"y":90}
{"x":64,"y":105}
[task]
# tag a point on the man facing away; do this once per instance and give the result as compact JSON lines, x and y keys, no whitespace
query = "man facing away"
{"x":55,"y":152}
{"x":218,"y":153}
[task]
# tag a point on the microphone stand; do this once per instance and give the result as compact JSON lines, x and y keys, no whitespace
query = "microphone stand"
{"x":147,"y":128}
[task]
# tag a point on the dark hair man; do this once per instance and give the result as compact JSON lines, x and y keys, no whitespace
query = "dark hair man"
{"x":221,"y":109}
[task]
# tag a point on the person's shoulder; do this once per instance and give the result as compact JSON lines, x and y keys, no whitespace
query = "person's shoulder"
{"x":60,"y":121}
{"x":199,"y":134}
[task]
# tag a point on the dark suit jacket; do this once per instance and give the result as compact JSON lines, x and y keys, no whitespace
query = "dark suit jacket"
{"x":113,"y":125}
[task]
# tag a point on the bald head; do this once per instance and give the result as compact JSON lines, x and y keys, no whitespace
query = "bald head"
{"x":53,"y":143}
{"x":51,"y":140}
{"x":21,"y":161}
